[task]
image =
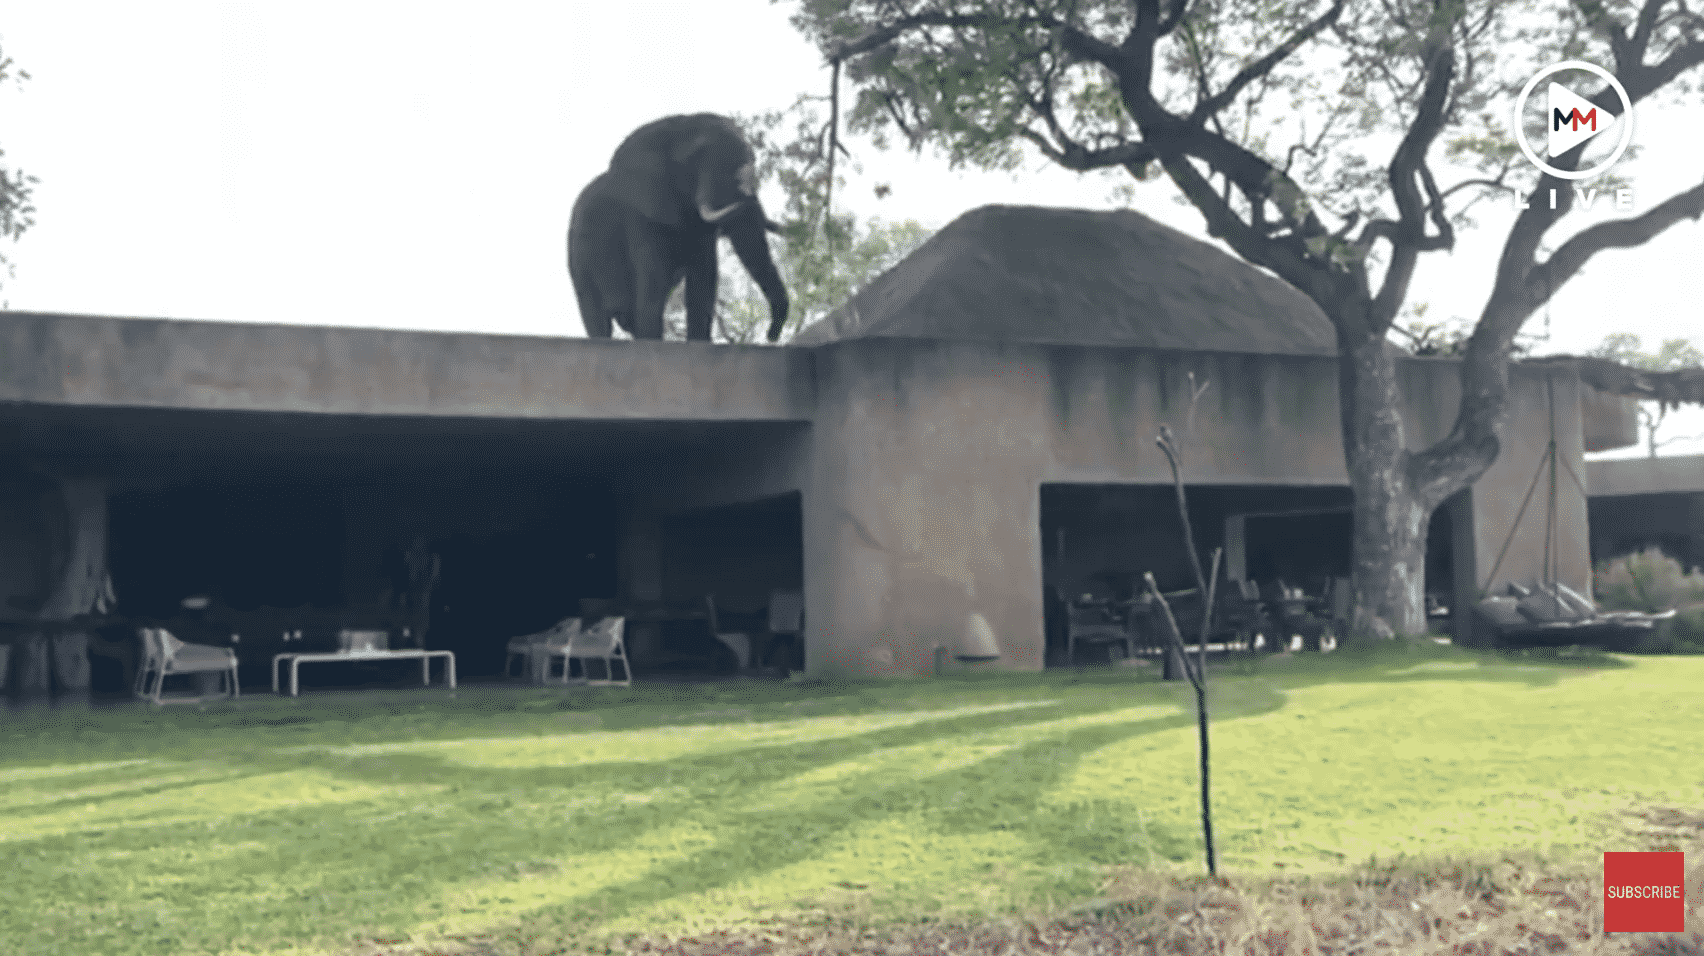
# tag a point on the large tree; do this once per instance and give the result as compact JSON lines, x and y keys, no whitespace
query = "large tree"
{"x":1317,"y":139}
{"x":16,"y":211}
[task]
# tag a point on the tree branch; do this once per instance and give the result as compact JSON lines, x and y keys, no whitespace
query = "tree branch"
{"x":1266,"y":64}
{"x":1079,"y":158}
{"x":1616,"y":234}
{"x":1408,"y":173}
{"x":1078,"y":42}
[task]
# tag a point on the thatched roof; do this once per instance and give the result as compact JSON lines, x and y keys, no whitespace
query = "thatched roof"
{"x":1078,"y":277}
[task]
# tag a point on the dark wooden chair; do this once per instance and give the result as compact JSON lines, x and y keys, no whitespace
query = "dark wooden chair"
{"x":1095,"y":623}
{"x":1240,"y":616}
{"x":785,"y":635}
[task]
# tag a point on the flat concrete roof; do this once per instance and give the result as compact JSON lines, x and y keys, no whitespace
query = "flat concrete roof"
{"x":1680,"y":474}
{"x":102,"y":361}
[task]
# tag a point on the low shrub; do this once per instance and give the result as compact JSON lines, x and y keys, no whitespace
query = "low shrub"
{"x":1649,"y":581}
{"x":1681,"y":634}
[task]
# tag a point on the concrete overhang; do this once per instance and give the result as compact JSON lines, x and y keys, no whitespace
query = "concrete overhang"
{"x":49,"y":359}
{"x":1682,"y":474}
{"x":1608,"y":421}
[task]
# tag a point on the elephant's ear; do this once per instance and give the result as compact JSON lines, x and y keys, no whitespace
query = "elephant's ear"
{"x":658,"y":171}
{"x":641,"y":180}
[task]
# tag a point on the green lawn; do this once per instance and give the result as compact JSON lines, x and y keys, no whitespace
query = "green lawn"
{"x":307,"y":826}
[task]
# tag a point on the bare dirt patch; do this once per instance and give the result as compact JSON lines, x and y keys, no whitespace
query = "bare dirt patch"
{"x":1507,"y":908}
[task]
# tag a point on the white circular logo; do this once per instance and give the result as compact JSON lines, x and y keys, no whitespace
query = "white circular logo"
{"x":1563,"y":139}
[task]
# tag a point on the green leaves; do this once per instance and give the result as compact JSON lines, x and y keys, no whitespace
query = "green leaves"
{"x":1673,"y":355}
{"x":17,"y":213}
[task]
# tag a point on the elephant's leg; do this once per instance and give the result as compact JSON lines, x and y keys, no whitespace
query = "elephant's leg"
{"x":700,"y":288}
{"x":597,"y":261}
{"x":593,"y":315}
{"x":653,"y":250}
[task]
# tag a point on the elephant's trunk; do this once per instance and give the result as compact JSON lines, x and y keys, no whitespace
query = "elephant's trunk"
{"x":752,"y":246}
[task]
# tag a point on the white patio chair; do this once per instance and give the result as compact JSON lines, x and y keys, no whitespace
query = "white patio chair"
{"x":737,"y":641}
{"x":165,"y":656}
{"x":602,"y":641}
{"x":530,"y":647}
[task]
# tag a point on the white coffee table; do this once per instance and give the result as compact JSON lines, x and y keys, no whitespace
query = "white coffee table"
{"x":297,"y":659}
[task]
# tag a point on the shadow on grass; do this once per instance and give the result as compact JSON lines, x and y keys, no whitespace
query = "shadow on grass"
{"x":448,"y":826}
{"x":426,"y":851}
{"x":998,"y":794}
{"x":1400,"y":662}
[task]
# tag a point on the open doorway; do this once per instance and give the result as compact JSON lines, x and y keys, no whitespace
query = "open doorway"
{"x":249,"y":545}
{"x":740,"y":555}
{"x":500,"y":583}
{"x":1100,"y":539}
{"x":315,"y":553}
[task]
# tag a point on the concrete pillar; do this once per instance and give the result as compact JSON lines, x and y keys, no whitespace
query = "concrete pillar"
{"x":922,"y":509}
{"x":1493,"y":520}
{"x":31,"y":658}
{"x":1236,"y":551}
{"x":1464,"y":592}
{"x":70,"y":667}
{"x":639,"y":572}
{"x":1694,"y":531}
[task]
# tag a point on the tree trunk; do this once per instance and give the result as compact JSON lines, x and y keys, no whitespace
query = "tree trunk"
{"x":85,"y":569}
{"x":1390,"y":516}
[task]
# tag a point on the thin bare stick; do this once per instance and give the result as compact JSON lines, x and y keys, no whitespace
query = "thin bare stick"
{"x":833,"y":145}
{"x":1199,"y":680}
{"x":1169,"y":446}
{"x":1207,"y":613}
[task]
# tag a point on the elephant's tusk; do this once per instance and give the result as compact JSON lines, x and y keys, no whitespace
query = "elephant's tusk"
{"x":716,"y":215}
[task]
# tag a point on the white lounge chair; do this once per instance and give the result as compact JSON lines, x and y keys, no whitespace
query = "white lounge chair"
{"x":602,"y":641}
{"x":530,"y":648}
{"x":165,"y":656}
{"x":737,"y":641}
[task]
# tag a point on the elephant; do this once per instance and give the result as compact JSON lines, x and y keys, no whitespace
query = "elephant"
{"x":652,"y":219}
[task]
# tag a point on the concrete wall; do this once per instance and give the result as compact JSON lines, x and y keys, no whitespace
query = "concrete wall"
{"x":922,"y":502}
{"x":919,"y":473}
{"x":1496,"y":499}
{"x":93,"y":360}
{"x":1678,"y":474}
{"x":1610,"y":421}
{"x":1640,"y":502}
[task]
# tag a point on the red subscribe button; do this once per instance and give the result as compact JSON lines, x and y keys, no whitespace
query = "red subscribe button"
{"x":1644,"y":892}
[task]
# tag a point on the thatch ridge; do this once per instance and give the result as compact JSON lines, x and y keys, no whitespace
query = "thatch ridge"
{"x":1079,"y":277}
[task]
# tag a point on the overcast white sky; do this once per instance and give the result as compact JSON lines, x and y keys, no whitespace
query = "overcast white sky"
{"x":376,"y":164}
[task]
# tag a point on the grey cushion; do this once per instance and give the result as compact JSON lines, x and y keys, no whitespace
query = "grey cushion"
{"x":1543,"y":609}
{"x":1502,"y":613}
{"x":197,"y":657}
